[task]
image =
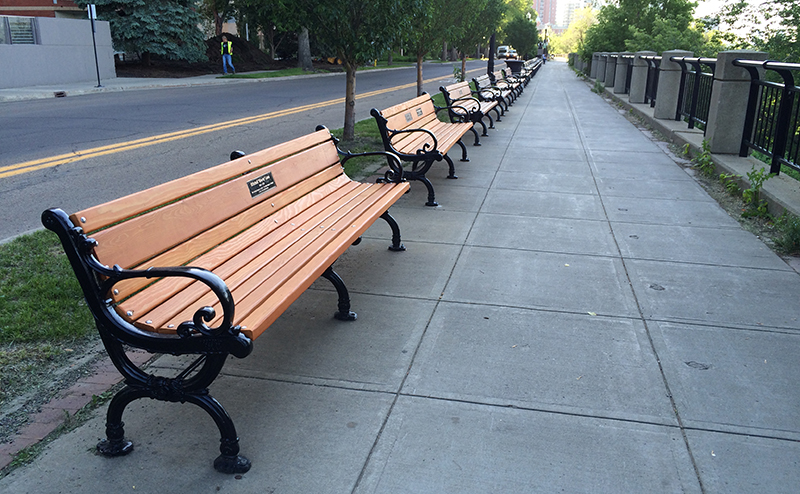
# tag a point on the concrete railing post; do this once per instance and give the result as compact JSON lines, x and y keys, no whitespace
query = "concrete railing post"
{"x":621,"y":75}
{"x":601,"y":66}
{"x":729,"y":96}
{"x":669,"y":82}
{"x":611,"y":69}
{"x":639,"y":76}
{"x":594,"y":65}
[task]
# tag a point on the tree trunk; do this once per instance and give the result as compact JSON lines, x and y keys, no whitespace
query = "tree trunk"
{"x":419,"y":75}
{"x":271,"y":39}
{"x":304,"y":51}
{"x":391,"y":57}
{"x":463,"y":67}
{"x":146,"y":59}
{"x":444,"y":51}
{"x":217,"y":23}
{"x":349,"y":132}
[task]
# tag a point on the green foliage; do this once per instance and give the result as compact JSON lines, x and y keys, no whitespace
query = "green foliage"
{"x":771,"y":26}
{"x":788,"y":238}
{"x":752,"y":196}
{"x":168,"y":28}
{"x":521,"y":33}
{"x":729,"y":180}
{"x":703,"y":161}
{"x":599,"y":87}
{"x":573,"y":38}
{"x":354,"y":31}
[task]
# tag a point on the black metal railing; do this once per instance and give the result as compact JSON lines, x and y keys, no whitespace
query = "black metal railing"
{"x":694,"y":96}
{"x":628,"y":73}
{"x":772,"y":124}
{"x":653,"y":66}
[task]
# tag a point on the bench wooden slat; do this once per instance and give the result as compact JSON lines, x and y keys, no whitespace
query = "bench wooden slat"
{"x":101,"y":216}
{"x":258,"y":279}
{"x":267,"y":247}
{"x":216,"y":235}
{"x":248,"y":244}
{"x":178,"y":221}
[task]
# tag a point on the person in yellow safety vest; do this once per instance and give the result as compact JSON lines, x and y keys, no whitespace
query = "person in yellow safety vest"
{"x":227,"y":51}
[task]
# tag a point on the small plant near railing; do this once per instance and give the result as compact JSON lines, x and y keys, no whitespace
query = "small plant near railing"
{"x":703,"y":161}
{"x":730,"y":181}
{"x":599,"y":87}
{"x":788,"y":238}
{"x":756,"y":206}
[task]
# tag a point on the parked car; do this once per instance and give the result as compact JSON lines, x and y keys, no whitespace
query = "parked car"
{"x":512,"y":54}
{"x":502,"y":51}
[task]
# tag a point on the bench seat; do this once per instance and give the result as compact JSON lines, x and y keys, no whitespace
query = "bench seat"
{"x":413,"y":132}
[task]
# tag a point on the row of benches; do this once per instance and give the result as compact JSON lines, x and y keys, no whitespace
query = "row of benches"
{"x":415,"y":133}
{"x":241,"y":242}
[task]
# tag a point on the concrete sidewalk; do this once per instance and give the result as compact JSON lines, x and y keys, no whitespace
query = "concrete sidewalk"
{"x":577,"y":316}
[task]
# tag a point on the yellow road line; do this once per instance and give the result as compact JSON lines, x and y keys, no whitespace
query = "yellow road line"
{"x":33,"y":165}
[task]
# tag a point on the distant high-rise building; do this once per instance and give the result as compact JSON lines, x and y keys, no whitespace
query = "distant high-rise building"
{"x":547,"y":12}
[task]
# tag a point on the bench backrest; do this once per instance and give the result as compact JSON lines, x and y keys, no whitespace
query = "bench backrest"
{"x":418,"y":113}
{"x":173,"y":223}
{"x":458,"y":90}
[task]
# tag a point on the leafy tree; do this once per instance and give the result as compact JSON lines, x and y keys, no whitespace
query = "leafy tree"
{"x":218,"y":11}
{"x":276,"y":19}
{"x":620,"y":20}
{"x":772,"y":26}
{"x":355,"y":31}
{"x":168,"y":28}
{"x":486,"y":18}
{"x":431,"y":23}
{"x":573,"y":38}
{"x":521,"y":33}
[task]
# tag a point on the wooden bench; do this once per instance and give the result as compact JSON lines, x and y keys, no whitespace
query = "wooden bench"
{"x":504,"y":80}
{"x":412,"y":131}
{"x":251,"y":235}
{"x":486,"y":90}
{"x":463,"y":104}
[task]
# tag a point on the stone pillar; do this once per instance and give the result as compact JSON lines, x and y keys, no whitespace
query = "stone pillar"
{"x":601,"y":66}
{"x":669,"y":82}
{"x":611,"y":69}
{"x":621,"y":76}
{"x":729,"y":96}
{"x":639,"y":76}
{"x":595,"y":63}
{"x":578,"y":63}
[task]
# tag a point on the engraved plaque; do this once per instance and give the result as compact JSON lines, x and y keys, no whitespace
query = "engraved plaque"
{"x":409,"y":117}
{"x":419,"y":112}
{"x":261,"y":184}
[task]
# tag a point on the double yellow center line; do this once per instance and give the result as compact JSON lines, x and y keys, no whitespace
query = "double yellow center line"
{"x":33,"y":165}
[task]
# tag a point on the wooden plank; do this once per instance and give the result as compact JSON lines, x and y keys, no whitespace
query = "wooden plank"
{"x":223,"y":260}
{"x":101,"y":216}
{"x":172,"y":224}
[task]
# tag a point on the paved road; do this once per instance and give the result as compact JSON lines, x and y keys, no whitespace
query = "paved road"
{"x":128,"y":123}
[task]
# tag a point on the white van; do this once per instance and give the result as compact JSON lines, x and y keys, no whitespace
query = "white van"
{"x":502,"y":51}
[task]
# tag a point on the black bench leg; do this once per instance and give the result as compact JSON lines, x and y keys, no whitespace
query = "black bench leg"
{"x":477,"y":139}
{"x":397,"y":245}
{"x":483,"y":126}
{"x":344,"y":313}
{"x":463,"y":151}
{"x":428,"y":185}
{"x":498,"y":110}
{"x":180,"y":389}
{"x":451,"y":167}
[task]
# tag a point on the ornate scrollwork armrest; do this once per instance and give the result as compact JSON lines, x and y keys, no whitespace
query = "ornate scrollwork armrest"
{"x":203,"y":315}
{"x":463,"y":117}
{"x":426,"y":148}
